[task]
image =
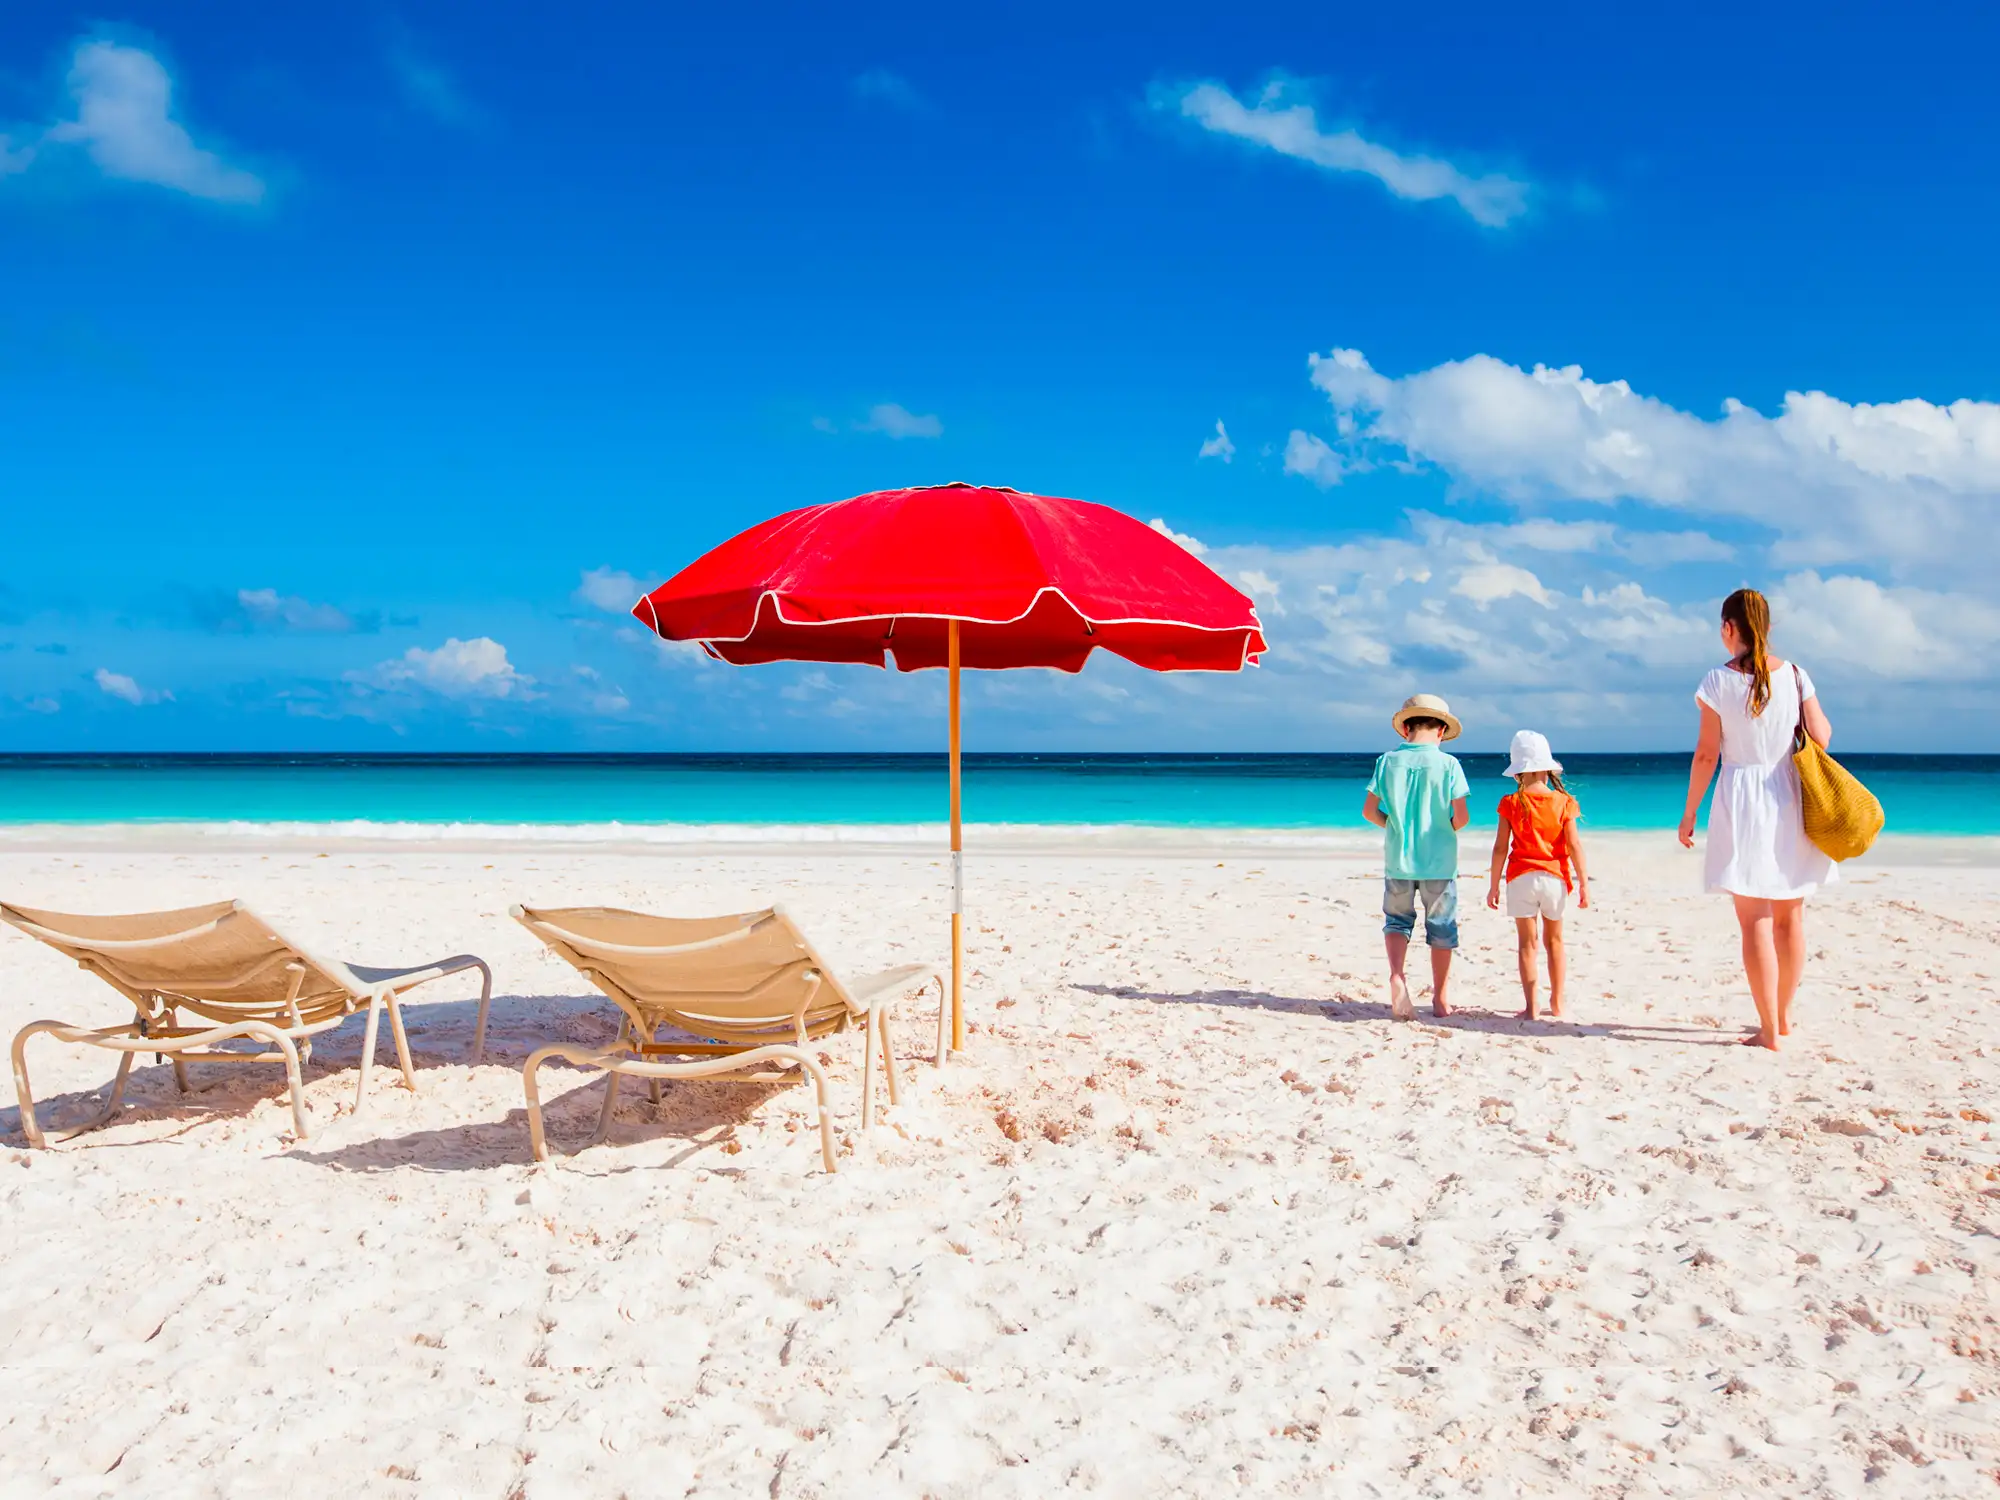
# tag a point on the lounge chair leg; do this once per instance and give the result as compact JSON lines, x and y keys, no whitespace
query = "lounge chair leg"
{"x":611,"y":1082}
{"x":538,"y":1144}
{"x":301,"y":1122}
{"x":888,"y":1054}
{"x":402,"y":1041}
{"x":181,"y":1076}
{"x":868,"y":1078}
{"x":825,"y":1112}
{"x":485,"y":1004}
{"x":368,"y":1050}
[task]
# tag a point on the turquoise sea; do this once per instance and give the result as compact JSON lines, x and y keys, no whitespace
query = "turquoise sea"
{"x":1940,"y":795}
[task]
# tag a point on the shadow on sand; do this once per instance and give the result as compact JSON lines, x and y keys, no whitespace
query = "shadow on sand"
{"x":1458,"y":1020}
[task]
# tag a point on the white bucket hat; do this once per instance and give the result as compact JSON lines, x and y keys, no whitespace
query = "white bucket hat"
{"x":1530,"y":752}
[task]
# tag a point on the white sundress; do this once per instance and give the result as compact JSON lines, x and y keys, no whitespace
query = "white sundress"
{"x":1757,"y":844}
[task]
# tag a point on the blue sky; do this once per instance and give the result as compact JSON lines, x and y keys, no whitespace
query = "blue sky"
{"x":352,"y":361}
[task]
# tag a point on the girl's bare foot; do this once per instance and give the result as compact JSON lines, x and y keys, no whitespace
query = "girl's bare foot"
{"x":1759,"y":1039}
{"x":1399,"y":998}
{"x":1526,"y":1015}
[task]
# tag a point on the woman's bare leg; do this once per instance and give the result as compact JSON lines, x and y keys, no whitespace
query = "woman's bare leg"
{"x":1760,"y":967}
{"x":1788,"y":936}
{"x":1552,"y":934}
{"x":1524,"y":936}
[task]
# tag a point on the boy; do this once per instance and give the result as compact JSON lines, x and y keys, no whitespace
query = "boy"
{"x":1418,"y":795}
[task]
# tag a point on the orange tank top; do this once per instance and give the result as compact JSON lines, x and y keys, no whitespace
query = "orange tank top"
{"x":1537,"y":822}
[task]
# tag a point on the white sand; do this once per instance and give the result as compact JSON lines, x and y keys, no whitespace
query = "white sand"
{"x":1192,"y":1216}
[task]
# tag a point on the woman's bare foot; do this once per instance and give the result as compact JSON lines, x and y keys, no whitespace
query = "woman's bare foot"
{"x":1526,"y":1015}
{"x":1759,"y":1039}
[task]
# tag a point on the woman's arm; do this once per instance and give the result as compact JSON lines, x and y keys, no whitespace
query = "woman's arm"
{"x":1707,"y":754}
{"x":1817,"y":723}
{"x":1499,"y":864}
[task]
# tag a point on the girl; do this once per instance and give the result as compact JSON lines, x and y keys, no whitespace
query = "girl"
{"x":1535,"y":852}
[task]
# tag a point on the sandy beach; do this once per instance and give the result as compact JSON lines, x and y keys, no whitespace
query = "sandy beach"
{"x":1192,"y":1214}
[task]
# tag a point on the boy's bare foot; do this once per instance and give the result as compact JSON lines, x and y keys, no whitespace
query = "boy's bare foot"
{"x":1399,"y":998}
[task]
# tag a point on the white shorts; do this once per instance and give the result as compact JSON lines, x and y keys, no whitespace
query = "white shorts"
{"x":1537,"y":894}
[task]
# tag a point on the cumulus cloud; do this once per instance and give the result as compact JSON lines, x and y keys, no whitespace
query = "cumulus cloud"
{"x":1292,"y":129}
{"x":125,"y":689}
{"x":880,"y":86}
{"x":1180,"y":537}
{"x":1906,"y":482}
{"x":894,"y":421}
{"x":1313,"y":458}
{"x":1484,"y":582}
{"x":1218,"y":446}
{"x":123,"y":121}
{"x":610,"y":589}
{"x":477,"y":668}
{"x":269,"y":610}
{"x":429,"y":87}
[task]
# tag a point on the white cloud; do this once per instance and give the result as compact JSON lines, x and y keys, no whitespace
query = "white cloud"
{"x":1158,"y":524}
{"x":609,"y":589}
{"x":895,"y":421}
{"x":477,"y":668}
{"x":1909,"y":482}
{"x":119,"y":686}
{"x":1313,"y":458}
{"x":287,"y":611}
{"x":1293,"y":130}
{"x":1891,"y":632}
{"x":430,"y":88}
{"x":124,"y":122}
{"x":880,"y":86}
{"x":41,"y":705}
{"x":1484,"y":582}
{"x":1218,"y":446}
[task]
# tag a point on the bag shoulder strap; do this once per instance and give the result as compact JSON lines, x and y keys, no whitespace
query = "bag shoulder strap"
{"x":1799,"y":727}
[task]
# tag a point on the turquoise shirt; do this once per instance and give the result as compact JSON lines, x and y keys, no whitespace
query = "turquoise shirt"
{"x":1416,"y":786}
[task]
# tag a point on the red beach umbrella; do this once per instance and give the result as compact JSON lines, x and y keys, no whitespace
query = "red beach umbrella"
{"x":952,"y":576}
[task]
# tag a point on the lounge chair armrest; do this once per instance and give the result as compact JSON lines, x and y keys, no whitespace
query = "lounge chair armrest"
{"x":869,"y":990}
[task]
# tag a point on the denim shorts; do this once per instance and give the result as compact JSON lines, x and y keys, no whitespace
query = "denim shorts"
{"x":1440,"y":903}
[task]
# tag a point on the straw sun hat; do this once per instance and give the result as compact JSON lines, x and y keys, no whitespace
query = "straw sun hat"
{"x":1530,"y":752}
{"x":1427,"y":706}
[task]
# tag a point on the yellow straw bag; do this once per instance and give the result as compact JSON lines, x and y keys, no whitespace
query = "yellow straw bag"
{"x":1842,"y":816}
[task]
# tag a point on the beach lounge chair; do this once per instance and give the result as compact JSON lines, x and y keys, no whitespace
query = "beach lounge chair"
{"x":746,"y":991}
{"x":224,"y":965}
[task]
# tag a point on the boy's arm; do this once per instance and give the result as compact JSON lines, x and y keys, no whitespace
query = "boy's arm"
{"x":1372,"y":811}
{"x":1459,"y":815}
{"x":1499,"y":865}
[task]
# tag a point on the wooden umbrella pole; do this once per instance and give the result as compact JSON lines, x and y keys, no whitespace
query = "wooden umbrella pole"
{"x":957,"y":857}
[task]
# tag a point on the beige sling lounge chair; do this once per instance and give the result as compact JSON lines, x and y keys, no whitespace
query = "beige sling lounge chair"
{"x":224,"y":965}
{"x":747,"y":990}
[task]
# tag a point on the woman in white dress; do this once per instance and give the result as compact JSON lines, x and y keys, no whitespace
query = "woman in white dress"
{"x":1758,"y":851}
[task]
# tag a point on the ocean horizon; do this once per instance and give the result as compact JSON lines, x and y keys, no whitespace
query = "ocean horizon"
{"x":1934,"y":795}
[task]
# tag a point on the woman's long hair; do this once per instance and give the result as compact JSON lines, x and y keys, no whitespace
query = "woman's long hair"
{"x":1750,"y":612}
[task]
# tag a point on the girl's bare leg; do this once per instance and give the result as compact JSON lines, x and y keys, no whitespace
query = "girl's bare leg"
{"x":1524,"y":937}
{"x":1760,"y":967}
{"x":1788,"y":936}
{"x":1552,"y":934}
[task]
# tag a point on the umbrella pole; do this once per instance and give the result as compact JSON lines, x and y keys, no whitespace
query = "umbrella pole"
{"x":957,"y":854}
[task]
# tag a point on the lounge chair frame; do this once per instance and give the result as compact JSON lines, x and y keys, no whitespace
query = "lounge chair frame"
{"x":286,"y":1028}
{"x":727,"y":1045}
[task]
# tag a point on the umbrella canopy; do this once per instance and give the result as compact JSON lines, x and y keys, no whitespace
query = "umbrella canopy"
{"x":1034,"y":582}
{"x":957,"y":575}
